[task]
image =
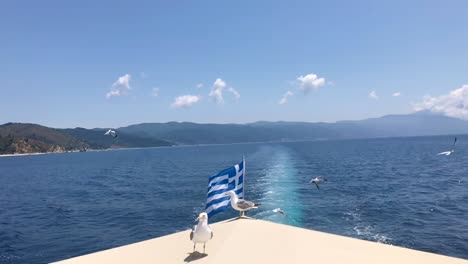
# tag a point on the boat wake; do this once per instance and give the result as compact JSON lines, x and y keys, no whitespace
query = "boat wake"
{"x":364,"y":230}
{"x":279,"y":189}
{"x":368,"y":232}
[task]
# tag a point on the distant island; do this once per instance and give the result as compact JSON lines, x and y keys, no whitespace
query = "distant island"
{"x":21,"y":138}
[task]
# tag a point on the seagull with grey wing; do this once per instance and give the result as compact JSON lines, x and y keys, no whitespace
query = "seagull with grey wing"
{"x":201,"y":233}
{"x":111,"y":132}
{"x":317,"y":181}
{"x":279,"y":210}
{"x":240,"y":205}
{"x":447,"y":153}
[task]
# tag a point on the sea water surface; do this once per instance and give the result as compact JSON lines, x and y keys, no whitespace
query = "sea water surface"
{"x":395,"y":191}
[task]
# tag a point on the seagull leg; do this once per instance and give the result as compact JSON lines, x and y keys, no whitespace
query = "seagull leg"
{"x":193,"y":247}
{"x":204,"y":248}
{"x":241,"y":214}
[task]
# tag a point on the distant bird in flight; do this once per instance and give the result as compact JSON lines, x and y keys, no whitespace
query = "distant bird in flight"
{"x":317,"y":181}
{"x":201,"y":233}
{"x":447,"y":153}
{"x":111,"y":132}
{"x":240,"y":204}
{"x":278,"y":210}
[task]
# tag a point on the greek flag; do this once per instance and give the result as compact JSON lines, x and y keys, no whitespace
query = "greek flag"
{"x":226,"y":180}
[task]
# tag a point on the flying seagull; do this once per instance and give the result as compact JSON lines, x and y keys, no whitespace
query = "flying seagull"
{"x":201,"y":233}
{"x":240,"y":204}
{"x":447,"y":153}
{"x":278,"y":210}
{"x":111,"y":133}
{"x":317,"y":181}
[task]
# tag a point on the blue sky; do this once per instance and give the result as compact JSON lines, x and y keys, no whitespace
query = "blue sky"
{"x":334,"y":60}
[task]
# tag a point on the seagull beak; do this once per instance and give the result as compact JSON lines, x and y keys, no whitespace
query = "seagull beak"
{"x":197,"y":219}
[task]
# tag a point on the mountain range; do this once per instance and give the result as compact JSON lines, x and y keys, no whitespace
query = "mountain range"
{"x":32,"y":138}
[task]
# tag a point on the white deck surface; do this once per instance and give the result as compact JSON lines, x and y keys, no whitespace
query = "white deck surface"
{"x":256,"y":241}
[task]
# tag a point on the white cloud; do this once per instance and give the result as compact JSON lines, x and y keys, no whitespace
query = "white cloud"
{"x":285,"y":97}
{"x":123,"y":81}
{"x":155,"y":92}
{"x":113,"y":93}
{"x":310,"y":82}
{"x":185,"y":101}
{"x":396,"y":94}
{"x":234,"y":92}
{"x":373,"y":95}
{"x":217,"y":91}
{"x":120,"y":87}
{"x":200,"y":85}
{"x":453,"y":104}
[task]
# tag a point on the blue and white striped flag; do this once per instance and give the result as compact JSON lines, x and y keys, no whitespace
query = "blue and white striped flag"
{"x":226,"y":180}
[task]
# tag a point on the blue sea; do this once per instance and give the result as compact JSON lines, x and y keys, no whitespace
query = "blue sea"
{"x":394,"y":191}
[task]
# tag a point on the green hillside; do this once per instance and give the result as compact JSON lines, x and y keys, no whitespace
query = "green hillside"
{"x":19,"y":138}
{"x":96,"y":139}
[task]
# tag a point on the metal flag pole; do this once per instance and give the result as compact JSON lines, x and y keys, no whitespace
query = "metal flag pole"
{"x":243,"y":182}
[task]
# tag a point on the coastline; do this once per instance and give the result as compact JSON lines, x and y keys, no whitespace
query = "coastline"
{"x":76,"y":151}
{"x":222,"y":144}
{"x":44,"y":153}
{"x":26,"y":154}
{"x":202,"y":145}
{"x":73,"y":151}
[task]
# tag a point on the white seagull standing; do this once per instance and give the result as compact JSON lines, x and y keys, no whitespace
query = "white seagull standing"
{"x":240,"y":204}
{"x":111,"y":132}
{"x":317,"y":181}
{"x":201,"y":233}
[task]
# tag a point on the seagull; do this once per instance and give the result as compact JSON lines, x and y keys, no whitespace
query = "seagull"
{"x":446,"y":153}
{"x":278,"y":210}
{"x":201,"y":233}
{"x":111,"y":132}
{"x":317,"y":181}
{"x":240,"y":204}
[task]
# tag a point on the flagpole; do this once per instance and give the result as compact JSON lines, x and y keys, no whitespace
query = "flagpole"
{"x":243,"y":184}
